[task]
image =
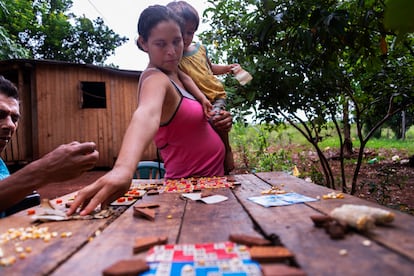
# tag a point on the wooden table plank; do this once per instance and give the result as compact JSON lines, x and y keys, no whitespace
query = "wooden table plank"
{"x":314,"y":251}
{"x":399,"y":236}
{"x":186,"y":221}
{"x":46,"y":256}
{"x":221,"y":219}
{"x":116,"y":242}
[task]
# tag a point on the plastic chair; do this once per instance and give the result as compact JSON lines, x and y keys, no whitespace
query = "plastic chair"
{"x":150,"y":170}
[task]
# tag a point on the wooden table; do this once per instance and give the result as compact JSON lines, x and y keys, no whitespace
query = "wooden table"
{"x":185,"y":221}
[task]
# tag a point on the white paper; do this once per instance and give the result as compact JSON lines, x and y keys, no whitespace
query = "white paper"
{"x":208,"y":199}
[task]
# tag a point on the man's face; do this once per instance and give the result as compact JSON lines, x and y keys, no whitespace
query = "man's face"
{"x":9,"y":118}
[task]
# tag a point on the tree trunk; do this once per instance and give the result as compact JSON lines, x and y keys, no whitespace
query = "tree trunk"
{"x":403,"y":130}
{"x":347,"y":132}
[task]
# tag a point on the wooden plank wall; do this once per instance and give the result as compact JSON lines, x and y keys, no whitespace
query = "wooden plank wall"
{"x":61,"y":119}
{"x":50,"y":96}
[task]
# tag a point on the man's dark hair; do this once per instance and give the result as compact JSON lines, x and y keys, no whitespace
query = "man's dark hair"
{"x":8,"y":88}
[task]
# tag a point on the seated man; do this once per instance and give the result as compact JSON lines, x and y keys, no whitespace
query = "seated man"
{"x":65,"y":162}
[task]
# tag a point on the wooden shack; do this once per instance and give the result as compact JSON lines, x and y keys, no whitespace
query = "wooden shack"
{"x":63,"y":102}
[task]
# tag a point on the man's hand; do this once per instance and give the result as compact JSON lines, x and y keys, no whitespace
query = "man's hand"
{"x":68,"y":161}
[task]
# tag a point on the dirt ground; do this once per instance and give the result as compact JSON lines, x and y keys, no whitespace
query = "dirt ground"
{"x":389,"y":184}
{"x":385,"y":182}
{"x":381,"y":179}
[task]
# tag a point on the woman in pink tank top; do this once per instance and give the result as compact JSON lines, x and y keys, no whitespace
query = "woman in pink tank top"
{"x":166,"y":113}
{"x":188,"y":144}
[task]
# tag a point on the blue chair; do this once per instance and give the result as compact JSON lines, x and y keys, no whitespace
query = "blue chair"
{"x":150,"y":170}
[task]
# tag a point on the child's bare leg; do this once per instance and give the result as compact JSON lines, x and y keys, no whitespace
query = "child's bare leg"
{"x":228,"y":159}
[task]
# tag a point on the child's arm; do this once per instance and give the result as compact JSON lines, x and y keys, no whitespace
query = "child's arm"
{"x":221,"y":69}
{"x":191,"y":87}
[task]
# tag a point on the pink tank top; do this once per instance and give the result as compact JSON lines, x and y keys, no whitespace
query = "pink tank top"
{"x":188,"y":143}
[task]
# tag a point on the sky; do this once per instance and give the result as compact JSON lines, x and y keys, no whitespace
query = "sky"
{"x":122,"y":17}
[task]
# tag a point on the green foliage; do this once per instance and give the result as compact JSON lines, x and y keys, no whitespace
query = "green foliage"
{"x":399,"y":16}
{"x":253,"y":144}
{"x":48,"y":31}
{"x":9,"y":49}
{"x":312,"y":62}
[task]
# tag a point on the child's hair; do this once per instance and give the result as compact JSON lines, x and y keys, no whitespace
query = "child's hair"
{"x":153,"y":15}
{"x":185,"y":11}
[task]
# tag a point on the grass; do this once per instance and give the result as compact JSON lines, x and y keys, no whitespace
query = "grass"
{"x":406,"y":145}
{"x":265,"y":148}
{"x":287,"y":135}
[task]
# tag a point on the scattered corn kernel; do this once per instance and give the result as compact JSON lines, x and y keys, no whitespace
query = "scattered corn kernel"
{"x":333,"y":195}
{"x":65,"y":234}
{"x":7,"y":261}
{"x":169,"y":217}
{"x":28,"y":249}
{"x":22,"y":255}
{"x":343,"y":252}
{"x":366,"y":243}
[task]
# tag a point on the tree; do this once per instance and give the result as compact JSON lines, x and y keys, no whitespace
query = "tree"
{"x":48,"y":31}
{"x":316,"y":57}
{"x":9,"y":49}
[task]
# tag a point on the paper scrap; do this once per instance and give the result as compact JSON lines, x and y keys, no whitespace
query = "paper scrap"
{"x":208,"y":199}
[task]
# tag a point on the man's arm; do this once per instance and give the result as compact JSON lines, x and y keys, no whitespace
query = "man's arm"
{"x":65,"y":162}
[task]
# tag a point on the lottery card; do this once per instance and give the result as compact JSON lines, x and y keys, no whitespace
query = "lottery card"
{"x":281,"y":199}
{"x":218,"y":259}
{"x":231,"y":267}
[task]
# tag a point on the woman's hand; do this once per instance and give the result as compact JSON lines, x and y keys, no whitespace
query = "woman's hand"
{"x":103,"y":191}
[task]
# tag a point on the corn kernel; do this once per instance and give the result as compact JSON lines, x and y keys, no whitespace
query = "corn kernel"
{"x":343,"y":252}
{"x":366,"y":243}
{"x":65,"y":234}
